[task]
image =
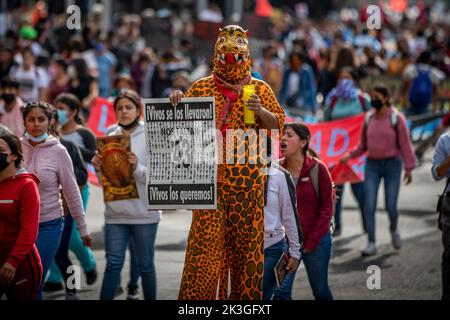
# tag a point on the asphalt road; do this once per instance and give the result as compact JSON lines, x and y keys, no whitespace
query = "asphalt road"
{"x":411,"y":273}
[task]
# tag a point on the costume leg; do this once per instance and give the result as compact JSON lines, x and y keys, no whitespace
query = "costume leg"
{"x":204,"y":253}
{"x":246,"y":254}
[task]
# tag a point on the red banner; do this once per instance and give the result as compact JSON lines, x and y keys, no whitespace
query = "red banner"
{"x":332,"y":140}
{"x":101,"y":116}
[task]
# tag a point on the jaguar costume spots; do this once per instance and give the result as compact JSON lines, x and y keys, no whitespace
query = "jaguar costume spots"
{"x":229,"y":240}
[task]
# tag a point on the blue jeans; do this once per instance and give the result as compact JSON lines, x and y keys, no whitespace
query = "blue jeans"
{"x":117,"y":238}
{"x":316,"y":265}
{"x":47,"y":244}
{"x":390,"y":170}
{"x":358,"y":192}
{"x":134,"y":271}
{"x":271,"y":256}
{"x":84,"y":254}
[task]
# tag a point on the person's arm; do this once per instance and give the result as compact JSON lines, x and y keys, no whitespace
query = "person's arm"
{"x":90,"y":142}
{"x":441,"y":159}
{"x":29,"y":224}
{"x":271,"y":115}
{"x":325,"y":210}
{"x":71,"y":192}
{"x":93,"y":93}
{"x":289,"y":218}
{"x":406,"y":147}
{"x":360,"y":148}
{"x":79,"y":167}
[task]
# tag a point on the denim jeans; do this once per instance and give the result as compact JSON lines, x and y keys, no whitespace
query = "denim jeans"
{"x":271,"y":256}
{"x":134,"y":271}
{"x":117,"y":238}
{"x":316,"y":265}
{"x":390,"y":170}
{"x":84,"y":254}
{"x":47,"y":244}
{"x":358,"y":192}
{"x":62,"y":255}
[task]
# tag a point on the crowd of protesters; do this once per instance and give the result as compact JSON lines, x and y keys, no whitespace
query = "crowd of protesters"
{"x":313,"y":67}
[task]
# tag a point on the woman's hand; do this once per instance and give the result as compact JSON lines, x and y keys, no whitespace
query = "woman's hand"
{"x":132,"y":158}
{"x":292,"y":264}
{"x":407,"y":178}
{"x":87,"y":241}
{"x":345,"y":158}
{"x":175,"y":97}
{"x":97,"y":161}
{"x":7,"y":273}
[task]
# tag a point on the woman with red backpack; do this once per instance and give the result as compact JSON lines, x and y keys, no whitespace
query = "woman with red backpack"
{"x":314,"y":190}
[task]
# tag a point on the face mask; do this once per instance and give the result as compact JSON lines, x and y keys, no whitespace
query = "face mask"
{"x":3,"y":161}
{"x":131,"y":125}
{"x":39,"y":139}
{"x":8,"y":97}
{"x":345,"y":83}
{"x":62,"y":117}
{"x":376,"y":103}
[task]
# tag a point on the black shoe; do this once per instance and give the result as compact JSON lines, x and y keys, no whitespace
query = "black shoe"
{"x":133,"y":294}
{"x":119,"y":291}
{"x":52,"y":286}
{"x":337,"y":232}
{"x":91,"y":276}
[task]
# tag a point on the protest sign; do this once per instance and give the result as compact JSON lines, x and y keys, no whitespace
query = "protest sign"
{"x":117,"y":177}
{"x":182,"y":154}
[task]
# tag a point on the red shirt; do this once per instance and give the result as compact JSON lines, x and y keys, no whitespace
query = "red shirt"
{"x":19,"y":217}
{"x":315,"y":214}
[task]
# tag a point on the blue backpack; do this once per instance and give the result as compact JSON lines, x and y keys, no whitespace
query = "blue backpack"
{"x":421,"y":90}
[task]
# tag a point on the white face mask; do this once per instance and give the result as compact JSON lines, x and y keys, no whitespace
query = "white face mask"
{"x":39,"y":139}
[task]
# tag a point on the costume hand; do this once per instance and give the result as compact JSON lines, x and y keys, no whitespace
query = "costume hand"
{"x":254,"y":103}
{"x":175,"y":97}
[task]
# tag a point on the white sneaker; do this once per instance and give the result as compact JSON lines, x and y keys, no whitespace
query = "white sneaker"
{"x":72,"y":296}
{"x":370,"y":250}
{"x":396,"y":240}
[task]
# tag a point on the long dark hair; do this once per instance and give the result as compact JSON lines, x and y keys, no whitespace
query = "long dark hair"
{"x":81,"y":68}
{"x":13,"y":143}
{"x":384,"y":91}
{"x":131,"y":95}
{"x":303,"y":132}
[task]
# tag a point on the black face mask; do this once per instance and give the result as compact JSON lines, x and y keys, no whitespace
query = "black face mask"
{"x":377,"y":103}
{"x":131,"y":125}
{"x":8,"y":97}
{"x":3,"y":161}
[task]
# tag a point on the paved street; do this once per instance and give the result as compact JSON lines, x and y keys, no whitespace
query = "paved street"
{"x":411,"y":273}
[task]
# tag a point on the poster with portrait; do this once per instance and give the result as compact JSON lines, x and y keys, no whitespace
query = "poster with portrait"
{"x":118,"y":180}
